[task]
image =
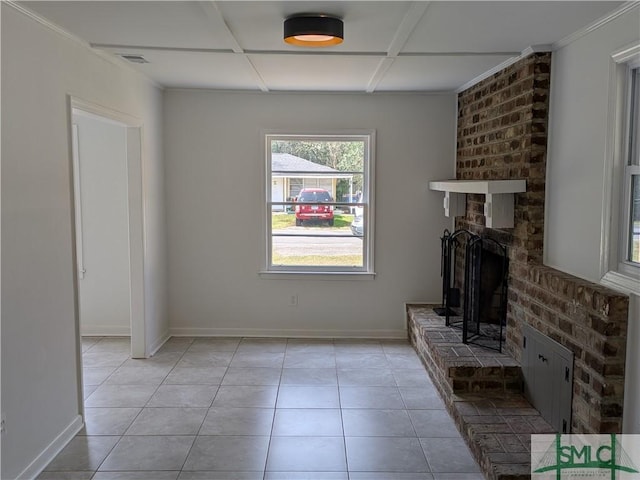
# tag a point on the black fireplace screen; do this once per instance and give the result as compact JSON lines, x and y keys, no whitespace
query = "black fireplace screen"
{"x":474,"y":273}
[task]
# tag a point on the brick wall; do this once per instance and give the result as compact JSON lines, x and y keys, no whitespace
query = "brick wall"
{"x":502,"y":134}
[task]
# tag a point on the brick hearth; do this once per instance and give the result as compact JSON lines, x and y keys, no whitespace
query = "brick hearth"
{"x":482,"y":391}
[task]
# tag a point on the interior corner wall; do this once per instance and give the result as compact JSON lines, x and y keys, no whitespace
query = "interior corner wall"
{"x":214,"y":167}
{"x":576,"y":169}
{"x":40,"y":68}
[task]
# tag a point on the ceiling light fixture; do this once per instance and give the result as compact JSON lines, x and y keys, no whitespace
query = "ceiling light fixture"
{"x":312,"y":30}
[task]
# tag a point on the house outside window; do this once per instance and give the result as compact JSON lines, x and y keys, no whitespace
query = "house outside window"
{"x":319,"y":203}
{"x":290,"y":174}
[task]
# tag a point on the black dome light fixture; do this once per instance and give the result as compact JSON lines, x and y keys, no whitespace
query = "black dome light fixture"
{"x":313,"y":30}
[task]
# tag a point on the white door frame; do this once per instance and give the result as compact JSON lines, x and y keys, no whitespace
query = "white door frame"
{"x":135,"y":221}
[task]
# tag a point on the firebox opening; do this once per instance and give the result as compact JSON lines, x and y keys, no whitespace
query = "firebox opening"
{"x":474,"y":271}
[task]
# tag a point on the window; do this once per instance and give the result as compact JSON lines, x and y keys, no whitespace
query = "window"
{"x":621,"y":259}
{"x":319,"y":203}
{"x":631,"y":203}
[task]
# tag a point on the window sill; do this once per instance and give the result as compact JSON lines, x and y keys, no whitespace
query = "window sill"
{"x":289,"y":275}
{"x":622,"y":283}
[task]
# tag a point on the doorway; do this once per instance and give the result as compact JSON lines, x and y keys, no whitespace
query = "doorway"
{"x":108,"y":216}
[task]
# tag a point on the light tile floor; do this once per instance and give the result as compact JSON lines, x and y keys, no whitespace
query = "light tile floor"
{"x":261,"y":409}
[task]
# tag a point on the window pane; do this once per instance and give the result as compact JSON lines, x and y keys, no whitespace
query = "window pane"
{"x":634,"y":230}
{"x":633,"y":200}
{"x":315,"y":245}
{"x":634,"y":119}
{"x":318,"y":189}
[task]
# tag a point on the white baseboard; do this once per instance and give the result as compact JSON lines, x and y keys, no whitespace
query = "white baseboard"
{"x":286,"y":333}
{"x":157,"y":344}
{"x":105,"y":330}
{"x":49,"y":453}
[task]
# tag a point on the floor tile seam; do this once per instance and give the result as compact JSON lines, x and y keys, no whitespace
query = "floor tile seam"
{"x":201,"y":423}
{"x":424,"y":455}
{"x":116,"y":367}
{"x":344,"y":438}
{"x":413,"y":424}
{"x":132,"y":421}
{"x":311,"y":339}
{"x":221,"y":351}
{"x":107,"y":455}
{"x":131,"y":435}
{"x":273,"y":423}
{"x":161,"y":384}
{"x":159,"y":435}
{"x":186,"y":457}
{"x":167,"y":375}
{"x":135,"y":471}
{"x":121,"y":437}
{"x":89,"y":347}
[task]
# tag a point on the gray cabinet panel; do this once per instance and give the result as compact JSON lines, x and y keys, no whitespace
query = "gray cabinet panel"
{"x":547,"y":368}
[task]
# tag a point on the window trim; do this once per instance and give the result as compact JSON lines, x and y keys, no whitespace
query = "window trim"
{"x":367,"y":271}
{"x":616,"y":271}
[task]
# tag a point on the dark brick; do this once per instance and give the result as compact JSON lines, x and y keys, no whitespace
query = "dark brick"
{"x":611,"y":348}
{"x":604,"y":327}
{"x":460,"y":386}
{"x":614,"y":426}
{"x":565,"y":325}
{"x":614,"y":370}
{"x":611,"y":410}
{"x":462,"y":372}
{"x":594,"y":363}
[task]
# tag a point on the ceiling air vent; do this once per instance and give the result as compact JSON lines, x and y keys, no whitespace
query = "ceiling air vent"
{"x":133,"y":58}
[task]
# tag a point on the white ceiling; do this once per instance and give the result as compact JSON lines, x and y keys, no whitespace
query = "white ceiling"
{"x":388,"y":46}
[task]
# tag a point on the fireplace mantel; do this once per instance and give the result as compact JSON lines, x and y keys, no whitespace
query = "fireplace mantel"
{"x":498,"y":205}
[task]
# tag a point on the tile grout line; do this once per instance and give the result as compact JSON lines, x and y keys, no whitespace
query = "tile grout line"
{"x":195,"y":437}
{"x":273,"y":420}
{"x":344,"y":433}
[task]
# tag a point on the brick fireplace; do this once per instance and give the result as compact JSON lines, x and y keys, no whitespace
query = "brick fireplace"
{"x":502,"y":135}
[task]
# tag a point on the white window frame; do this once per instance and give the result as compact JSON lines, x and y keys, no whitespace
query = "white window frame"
{"x":617,"y":271}
{"x":367,"y":269}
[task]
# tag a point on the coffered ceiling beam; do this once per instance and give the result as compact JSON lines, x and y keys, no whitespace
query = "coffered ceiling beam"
{"x":213,"y":13}
{"x":411,"y":18}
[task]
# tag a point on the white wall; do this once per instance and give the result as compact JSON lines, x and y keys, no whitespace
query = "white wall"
{"x":576,"y":175}
{"x":39,"y":350}
{"x":576,"y":152}
{"x":104,"y":290}
{"x":214,"y":212}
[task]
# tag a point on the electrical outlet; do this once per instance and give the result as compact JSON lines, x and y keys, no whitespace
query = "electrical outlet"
{"x":293,"y":301}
